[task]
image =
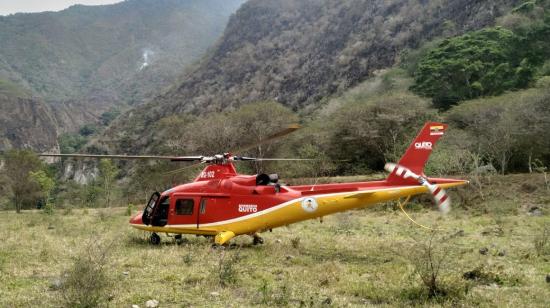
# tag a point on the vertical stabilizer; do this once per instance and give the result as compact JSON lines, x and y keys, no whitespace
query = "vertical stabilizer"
{"x":416,"y":156}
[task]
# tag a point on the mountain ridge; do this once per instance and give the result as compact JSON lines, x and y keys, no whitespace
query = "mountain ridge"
{"x":299,"y":53}
{"x":76,"y":64}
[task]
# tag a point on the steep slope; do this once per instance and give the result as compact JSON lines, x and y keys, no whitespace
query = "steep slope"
{"x":25,"y":122}
{"x":108,"y":55}
{"x":299,"y":52}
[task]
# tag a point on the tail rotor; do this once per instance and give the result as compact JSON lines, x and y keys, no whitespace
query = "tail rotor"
{"x":439,"y":195}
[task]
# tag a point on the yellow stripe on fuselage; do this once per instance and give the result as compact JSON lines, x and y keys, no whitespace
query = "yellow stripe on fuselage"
{"x":292,"y":211}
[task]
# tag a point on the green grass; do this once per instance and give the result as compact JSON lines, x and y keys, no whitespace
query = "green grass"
{"x":356,"y":258}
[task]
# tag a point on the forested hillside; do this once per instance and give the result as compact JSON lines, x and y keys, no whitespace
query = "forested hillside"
{"x":298,"y":53}
{"x":86,"y":61}
{"x":371,"y":120}
{"x":120,"y":53}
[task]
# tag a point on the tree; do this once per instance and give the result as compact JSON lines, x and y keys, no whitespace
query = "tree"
{"x":88,"y":130}
{"x":485,"y":62}
{"x":45,"y":182}
{"x":107,"y":172}
{"x":253,"y":123}
{"x":380,"y":130}
{"x":217,"y":133}
{"x":509,"y":131}
{"x":18,"y":167}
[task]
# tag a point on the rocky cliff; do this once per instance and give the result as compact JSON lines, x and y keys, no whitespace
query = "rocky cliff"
{"x":25,"y":122}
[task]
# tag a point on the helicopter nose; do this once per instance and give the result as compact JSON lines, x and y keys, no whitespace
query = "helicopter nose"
{"x":136,"y":219}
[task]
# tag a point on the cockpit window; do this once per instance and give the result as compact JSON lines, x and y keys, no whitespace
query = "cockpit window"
{"x":184,"y":207}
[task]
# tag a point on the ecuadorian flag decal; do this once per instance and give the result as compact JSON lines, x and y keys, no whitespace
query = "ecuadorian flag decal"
{"x":436,"y":130}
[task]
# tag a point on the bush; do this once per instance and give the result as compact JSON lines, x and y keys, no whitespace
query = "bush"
{"x":48,"y":208}
{"x":227,"y":269}
{"x":508,"y":131}
{"x":88,"y":130}
{"x":130,"y":209}
{"x":432,"y":264}
{"x":86,"y":281}
{"x":468,"y":66}
{"x":542,"y":242}
{"x":273,"y":296}
{"x":381,"y":130}
{"x":71,"y":143}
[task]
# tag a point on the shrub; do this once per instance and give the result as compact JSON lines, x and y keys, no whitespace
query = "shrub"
{"x":380,"y":130}
{"x":273,"y":296}
{"x":295,"y":241}
{"x":432,"y":265}
{"x":130,"y":209}
{"x":86,"y":281}
{"x":48,"y":209}
{"x":542,"y":242}
{"x":227,"y":268}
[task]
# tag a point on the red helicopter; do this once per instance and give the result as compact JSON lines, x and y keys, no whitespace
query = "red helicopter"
{"x":223,"y":204}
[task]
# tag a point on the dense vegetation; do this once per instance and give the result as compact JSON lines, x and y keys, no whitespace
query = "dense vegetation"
{"x":486,"y":62}
{"x":299,"y":53}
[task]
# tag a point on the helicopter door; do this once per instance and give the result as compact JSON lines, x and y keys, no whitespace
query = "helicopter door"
{"x":213,"y":209}
{"x":149,"y":209}
{"x":202,"y":210}
{"x":160,"y":212}
{"x":184,"y":211}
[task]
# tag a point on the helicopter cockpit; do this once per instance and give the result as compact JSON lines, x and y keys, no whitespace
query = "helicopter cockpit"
{"x":156,"y":211}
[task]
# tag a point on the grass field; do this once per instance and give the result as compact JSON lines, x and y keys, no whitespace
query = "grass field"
{"x":487,"y":250}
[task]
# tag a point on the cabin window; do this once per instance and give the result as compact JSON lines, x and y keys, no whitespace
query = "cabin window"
{"x":184,"y":207}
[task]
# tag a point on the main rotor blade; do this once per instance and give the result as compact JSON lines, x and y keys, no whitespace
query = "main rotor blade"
{"x":172,"y":158}
{"x":181,"y":169}
{"x":288,"y":130}
{"x":243,"y":158}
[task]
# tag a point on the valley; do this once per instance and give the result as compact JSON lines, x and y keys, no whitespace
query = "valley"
{"x":487,"y":248}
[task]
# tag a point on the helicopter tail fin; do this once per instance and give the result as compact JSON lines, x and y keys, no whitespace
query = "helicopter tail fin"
{"x":416,"y":156}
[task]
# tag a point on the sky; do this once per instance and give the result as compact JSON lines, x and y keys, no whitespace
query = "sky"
{"x":15,"y":6}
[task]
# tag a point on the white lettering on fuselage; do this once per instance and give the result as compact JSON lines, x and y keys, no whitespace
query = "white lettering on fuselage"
{"x":207,"y":175}
{"x":248,"y":208}
{"x":426,"y":145}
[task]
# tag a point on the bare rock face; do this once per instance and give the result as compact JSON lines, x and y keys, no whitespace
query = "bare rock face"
{"x":71,"y":115}
{"x":81,"y":172}
{"x":26,"y":123}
